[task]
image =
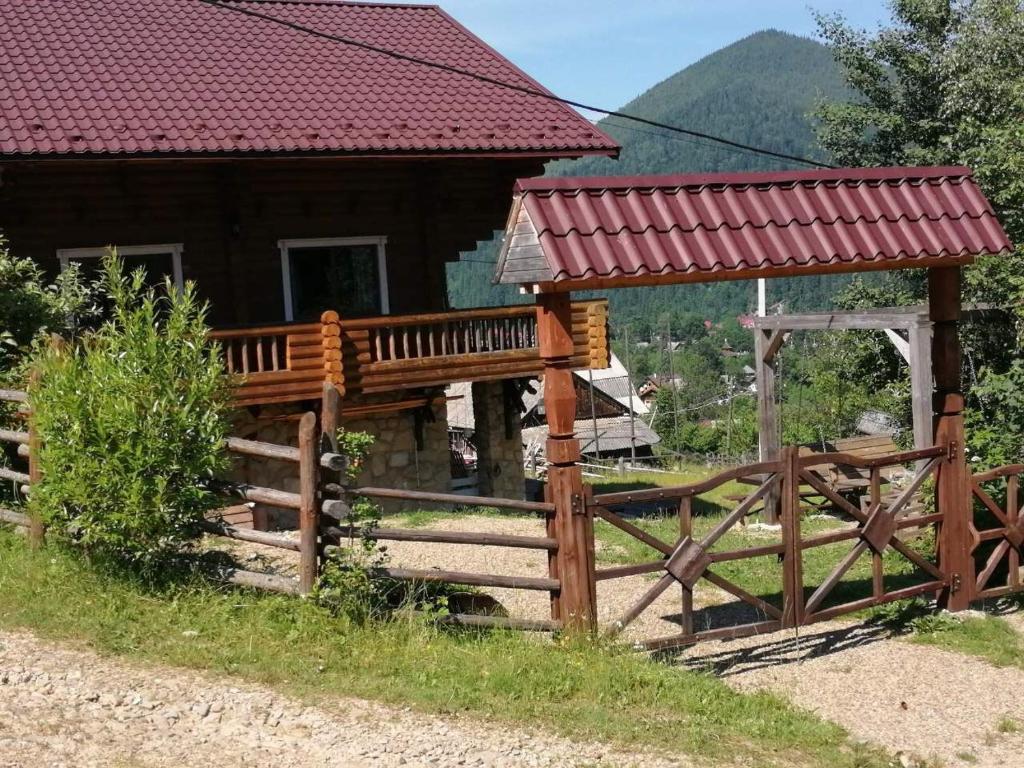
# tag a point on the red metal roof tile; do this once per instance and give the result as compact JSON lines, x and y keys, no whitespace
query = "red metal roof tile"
{"x":748,"y":224}
{"x":163,"y":76}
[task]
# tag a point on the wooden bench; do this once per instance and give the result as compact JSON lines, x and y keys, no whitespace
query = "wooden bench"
{"x":843,"y":477}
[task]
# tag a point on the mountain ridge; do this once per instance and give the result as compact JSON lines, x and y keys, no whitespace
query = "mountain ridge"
{"x":759,"y":91}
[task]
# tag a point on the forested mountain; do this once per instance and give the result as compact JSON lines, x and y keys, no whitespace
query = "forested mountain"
{"x":758,"y":91}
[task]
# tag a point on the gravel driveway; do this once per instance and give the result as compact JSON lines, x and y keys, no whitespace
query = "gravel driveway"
{"x":64,"y":708}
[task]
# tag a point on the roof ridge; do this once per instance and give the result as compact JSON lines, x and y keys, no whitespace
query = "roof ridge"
{"x":703,"y":180}
{"x":370,"y":3}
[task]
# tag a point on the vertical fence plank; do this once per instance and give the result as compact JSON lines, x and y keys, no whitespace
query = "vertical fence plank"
{"x":308,"y":517}
{"x":792,"y":563}
{"x":1012,"y":513}
{"x":686,"y":529}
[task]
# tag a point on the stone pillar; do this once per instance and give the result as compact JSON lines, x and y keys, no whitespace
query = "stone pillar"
{"x":498,"y":438}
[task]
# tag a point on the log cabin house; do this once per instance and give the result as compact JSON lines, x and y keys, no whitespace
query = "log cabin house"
{"x":312,"y":185}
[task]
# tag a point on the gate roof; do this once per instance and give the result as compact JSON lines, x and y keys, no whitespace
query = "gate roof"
{"x":567,"y":233}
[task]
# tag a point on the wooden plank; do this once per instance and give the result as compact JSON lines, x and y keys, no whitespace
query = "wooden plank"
{"x":263,"y":449}
{"x":870,"y":319}
{"x":6,"y":473}
{"x":452,"y":498}
{"x":722,"y":633}
{"x":469,"y":579}
{"x":695,"y":489}
{"x":13,"y":396}
{"x":13,"y":436}
{"x":11,"y":517}
{"x":623,"y":571}
{"x":637,"y":533}
{"x":245,"y":534}
{"x":260,"y":494}
{"x":445,"y":537}
{"x":309,"y":517}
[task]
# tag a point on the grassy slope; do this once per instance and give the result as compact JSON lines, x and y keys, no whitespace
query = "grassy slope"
{"x":579,"y":690}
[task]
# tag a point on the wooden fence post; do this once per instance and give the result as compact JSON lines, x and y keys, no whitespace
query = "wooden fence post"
{"x":309,"y":518}
{"x":36,"y":529}
{"x":565,"y":478}
{"x":792,"y":563}
{"x":952,"y":486}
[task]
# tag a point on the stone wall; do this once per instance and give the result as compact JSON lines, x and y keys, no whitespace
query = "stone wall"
{"x":394,"y":461}
{"x":499,"y":445}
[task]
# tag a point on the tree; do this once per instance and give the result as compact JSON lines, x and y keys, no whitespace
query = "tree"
{"x":944,"y":85}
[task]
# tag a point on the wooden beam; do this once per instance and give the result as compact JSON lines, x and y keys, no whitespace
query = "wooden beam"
{"x":775,"y":341}
{"x":770,"y":272}
{"x":864,"y":319}
{"x":768,"y":438}
{"x":952,"y":488}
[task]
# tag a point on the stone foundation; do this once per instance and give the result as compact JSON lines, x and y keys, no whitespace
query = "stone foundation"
{"x":394,"y":461}
{"x":499,"y":443}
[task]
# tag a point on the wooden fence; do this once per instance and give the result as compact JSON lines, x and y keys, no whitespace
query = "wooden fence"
{"x":879,"y":529}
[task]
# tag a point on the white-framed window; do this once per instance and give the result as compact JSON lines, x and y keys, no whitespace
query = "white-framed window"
{"x":346,"y":274}
{"x":158,"y":261}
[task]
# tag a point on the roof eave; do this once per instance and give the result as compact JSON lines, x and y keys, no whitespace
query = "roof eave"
{"x":604,"y":282}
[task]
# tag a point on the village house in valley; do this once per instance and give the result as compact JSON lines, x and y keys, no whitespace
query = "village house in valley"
{"x":313,"y":189}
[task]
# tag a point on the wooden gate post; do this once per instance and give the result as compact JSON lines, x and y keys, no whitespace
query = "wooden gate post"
{"x":952,"y":486}
{"x":309,"y":519}
{"x":792,"y":558}
{"x":565,"y":477}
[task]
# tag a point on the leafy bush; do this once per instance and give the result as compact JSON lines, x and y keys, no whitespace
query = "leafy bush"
{"x":133,"y":422}
{"x":30,"y":306}
{"x":347,"y":583}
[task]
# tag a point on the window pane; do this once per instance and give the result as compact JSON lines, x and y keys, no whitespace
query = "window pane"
{"x":345,"y":278}
{"x":157,"y":266}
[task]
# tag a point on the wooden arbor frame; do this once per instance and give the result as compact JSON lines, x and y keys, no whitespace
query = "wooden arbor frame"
{"x":771,"y":332}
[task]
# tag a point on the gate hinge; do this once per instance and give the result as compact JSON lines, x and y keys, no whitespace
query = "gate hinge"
{"x":953,"y":451}
{"x":579,"y":507}
{"x":955,"y":583}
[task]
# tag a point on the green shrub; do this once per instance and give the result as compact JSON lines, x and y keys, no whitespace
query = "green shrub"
{"x":133,"y":422}
{"x":30,"y":306}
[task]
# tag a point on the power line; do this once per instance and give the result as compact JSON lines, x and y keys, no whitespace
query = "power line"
{"x":531,"y":91}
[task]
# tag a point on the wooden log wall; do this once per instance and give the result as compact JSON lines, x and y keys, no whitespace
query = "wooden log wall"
{"x":230,"y":215}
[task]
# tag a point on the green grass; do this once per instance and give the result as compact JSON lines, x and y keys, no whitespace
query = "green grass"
{"x":985,"y":637}
{"x":579,"y":689}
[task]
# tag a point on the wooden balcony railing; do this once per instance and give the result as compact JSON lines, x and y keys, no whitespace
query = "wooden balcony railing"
{"x":289,"y":363}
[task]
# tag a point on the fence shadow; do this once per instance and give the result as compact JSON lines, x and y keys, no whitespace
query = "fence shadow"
{"x":777,"y":649}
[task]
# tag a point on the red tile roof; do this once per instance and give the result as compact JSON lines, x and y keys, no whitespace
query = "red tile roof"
{"x":734,"y":226}
{"x":184,"y":76}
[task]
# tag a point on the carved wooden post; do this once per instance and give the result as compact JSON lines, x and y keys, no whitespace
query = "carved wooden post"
{"x":565,"y":477}
{"x":334,"y":370}
{"x":309,"y":518}
{"x":952,"y":487}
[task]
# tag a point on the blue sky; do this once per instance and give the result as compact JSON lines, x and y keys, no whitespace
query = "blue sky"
{"x":605,"y":52}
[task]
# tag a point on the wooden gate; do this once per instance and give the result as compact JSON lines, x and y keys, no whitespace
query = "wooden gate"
{"x":877,"y":527}
{"x":997,"y":532}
